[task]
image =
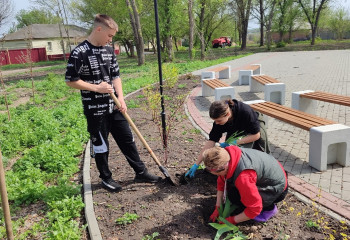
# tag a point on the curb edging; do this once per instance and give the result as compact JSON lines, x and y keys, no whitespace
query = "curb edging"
{"x":94,"y":230}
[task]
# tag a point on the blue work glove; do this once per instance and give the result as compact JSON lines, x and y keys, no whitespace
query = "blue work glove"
{"x":192,"y":170}
{"x":224,"y":144}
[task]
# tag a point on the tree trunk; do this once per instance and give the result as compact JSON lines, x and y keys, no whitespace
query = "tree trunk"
{"x":240,"y":36}
{"x":313,"y":34}
{"x":283,"y":7}
{"x":168,"y":37}
{"x":131,"y":48}
{"x":201,"y":30}
{"x":191,"y":24}
{"x":62,"y":42}
{"x":269,"y":23}
{"x":290,"y":34}
{"x":244,"y":38}
{"x":169,"y":48}
{"x":261,"y":23}
{"x":126,"y":48}
{"x":281,"y":36}
{"x":244,"y":11}
{"x":313,"y":16}
{"x":136,"y":27}
{"x":175,"y":42}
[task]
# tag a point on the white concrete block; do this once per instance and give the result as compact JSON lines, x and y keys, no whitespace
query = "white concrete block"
{"x":255,"y":86}
{"x":257,"y":71}
{"x":254,"y":101}
{"x":265,"y":117}
{"x":275,"y":92}
{"x":208,"y":75}
{"x":224,"y":92}
{"x":243,"y":76}
{"x":206,"y":90}
{"x":329,"y":144}
{"x":226,"y":73}
{"x":304,"y":104}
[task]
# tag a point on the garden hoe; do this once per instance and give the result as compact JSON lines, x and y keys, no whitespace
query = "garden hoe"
{"x":162,"y":169}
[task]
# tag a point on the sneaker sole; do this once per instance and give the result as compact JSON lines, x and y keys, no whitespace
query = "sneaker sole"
{"x":110,"y":188}
{"x":146,"y":181}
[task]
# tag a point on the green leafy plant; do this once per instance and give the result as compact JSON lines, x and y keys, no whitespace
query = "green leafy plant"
{"x":181,"y":86}
{"x":312,"y":224}
{"x":133,"y":104}
{"x":151,"y":237}
{"x":226,"y":227}
{"x":127,"y":218}
{"x":195,"y":131}
{"x":225,"y":210}
{"x":234,"y":138}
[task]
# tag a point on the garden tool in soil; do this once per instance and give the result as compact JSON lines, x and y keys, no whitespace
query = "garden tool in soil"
{"x":187,"y":176}
{"x":183,"y":179}
{"x":127,"y":117}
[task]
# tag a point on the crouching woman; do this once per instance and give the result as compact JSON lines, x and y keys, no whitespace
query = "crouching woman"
{"x":252,"y":180}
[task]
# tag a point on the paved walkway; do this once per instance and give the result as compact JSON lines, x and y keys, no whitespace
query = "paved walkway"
{"x":327,"y":71}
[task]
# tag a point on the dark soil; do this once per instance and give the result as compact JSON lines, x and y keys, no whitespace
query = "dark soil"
{"x":182,"y":212}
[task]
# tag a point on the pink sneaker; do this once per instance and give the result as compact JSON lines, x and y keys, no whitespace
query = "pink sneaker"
{"x":266,"y":215}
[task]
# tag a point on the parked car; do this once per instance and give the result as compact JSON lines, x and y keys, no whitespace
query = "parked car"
{"x":221,"y":42}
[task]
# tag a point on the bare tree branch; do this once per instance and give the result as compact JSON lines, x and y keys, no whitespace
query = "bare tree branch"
{"x":6,"y":11}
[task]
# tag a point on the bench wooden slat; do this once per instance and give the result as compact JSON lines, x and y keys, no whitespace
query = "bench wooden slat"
{"x":217,"y":69}
{"x":263,"y":79}
{"x":296,"y":121}
{"x":304,"y":117}
{"x":298,"y":113}
{"x":252,"y":67}
{"x":291,"y":116}
{"x":328,"y":97}
{"x":215,"y":83}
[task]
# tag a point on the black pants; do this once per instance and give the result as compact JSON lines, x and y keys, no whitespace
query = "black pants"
{"x":262,"y":144}
{"x":99,"y":128}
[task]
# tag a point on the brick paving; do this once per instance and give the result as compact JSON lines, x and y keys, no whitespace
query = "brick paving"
{"x":327,"y":71}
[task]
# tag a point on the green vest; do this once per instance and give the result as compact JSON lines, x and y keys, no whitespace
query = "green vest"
{"x":271,"y":178}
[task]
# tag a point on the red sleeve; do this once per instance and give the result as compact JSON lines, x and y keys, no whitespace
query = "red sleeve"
{"x":250,"y":197}
{"x":220,"y":184}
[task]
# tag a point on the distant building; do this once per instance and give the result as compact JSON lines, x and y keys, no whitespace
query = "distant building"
{"x":48,"y":36}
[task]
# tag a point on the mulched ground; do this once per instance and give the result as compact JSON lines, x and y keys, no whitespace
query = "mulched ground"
{"x":182,"y":212}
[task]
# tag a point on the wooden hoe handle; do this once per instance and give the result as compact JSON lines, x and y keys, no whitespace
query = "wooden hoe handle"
{"x":115,"y":99}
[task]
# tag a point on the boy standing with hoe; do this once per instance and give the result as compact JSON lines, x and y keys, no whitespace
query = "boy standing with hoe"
{"x":93,"y":68}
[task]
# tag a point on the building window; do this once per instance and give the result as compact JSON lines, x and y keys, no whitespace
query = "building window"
{"x":49,"y":46}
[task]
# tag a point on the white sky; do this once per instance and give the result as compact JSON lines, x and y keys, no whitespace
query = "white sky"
{"x":19,"y":4}
{"x":27,"y":4}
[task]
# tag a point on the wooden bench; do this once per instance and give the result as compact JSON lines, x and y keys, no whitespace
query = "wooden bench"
{"x":223,"y":72}
{"x":305,"y":100}
{"x":243,"y":76}
{"x":329,"y":142}
{"x":217,"y":88}
{"x":274,"y":90}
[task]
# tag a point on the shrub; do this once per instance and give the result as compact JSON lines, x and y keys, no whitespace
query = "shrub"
{"x":280,"y":44}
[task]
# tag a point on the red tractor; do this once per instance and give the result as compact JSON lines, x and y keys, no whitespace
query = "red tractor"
{"x":221,"y":42}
